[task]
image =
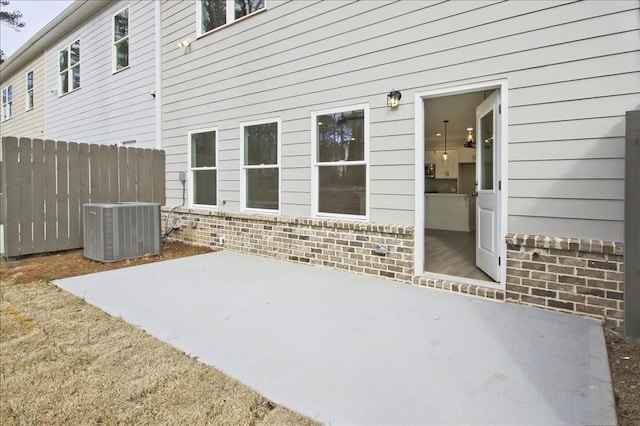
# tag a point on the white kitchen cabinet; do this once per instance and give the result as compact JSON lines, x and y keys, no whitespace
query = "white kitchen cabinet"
{"x":466,"y":155}
{"x":430,"y":157}
{"x":451,"y":212}
{"x":448,"y":170}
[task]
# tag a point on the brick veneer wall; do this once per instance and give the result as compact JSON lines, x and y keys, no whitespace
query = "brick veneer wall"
{"x":340,"y":244}
{"x":468,"y":289}
{"x":567,"y":274}
{"x":570,"y":275}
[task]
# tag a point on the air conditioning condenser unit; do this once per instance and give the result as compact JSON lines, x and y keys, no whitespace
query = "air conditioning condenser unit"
{"x":118,"y":231}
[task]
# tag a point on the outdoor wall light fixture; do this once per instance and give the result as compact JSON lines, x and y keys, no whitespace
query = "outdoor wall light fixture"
{"x":393,"y":98}
{"x":185,"y":43}
{"x":445,"y":156}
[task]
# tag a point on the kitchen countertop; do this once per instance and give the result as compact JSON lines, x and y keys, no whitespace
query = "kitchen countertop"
{"x":447,"y":194}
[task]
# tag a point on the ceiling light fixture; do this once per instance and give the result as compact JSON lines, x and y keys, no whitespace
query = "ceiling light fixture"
{"x":470,"y":143}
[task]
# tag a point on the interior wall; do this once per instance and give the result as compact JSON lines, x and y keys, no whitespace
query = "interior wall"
{"x":466,"y":178}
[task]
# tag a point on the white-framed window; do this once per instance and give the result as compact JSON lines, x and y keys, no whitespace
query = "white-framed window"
{"x":260,"y":165}
{"x":203,"y":167}
{"x":69,"y":68}
{"x":7,"y":102}
{"x":29,"y":93}
{"x":212,"y":14}
{"x":121,"y":40}
{"x":340,"y":158}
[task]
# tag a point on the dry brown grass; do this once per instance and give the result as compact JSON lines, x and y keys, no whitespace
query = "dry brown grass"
{"x":66,"y":362}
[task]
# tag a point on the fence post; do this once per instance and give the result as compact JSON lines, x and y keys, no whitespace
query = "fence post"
{"x":632,"y":226}
{"x":10,"y":196}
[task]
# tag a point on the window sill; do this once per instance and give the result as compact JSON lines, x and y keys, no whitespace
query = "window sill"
{"x":69,"y":92}
{"x":261,"y":211}
{"x":29,"y":109}
{"x":341,"y":216}
{"x":114,"y":72}
{"x":203,"y":206}
{"x":200,"y":34}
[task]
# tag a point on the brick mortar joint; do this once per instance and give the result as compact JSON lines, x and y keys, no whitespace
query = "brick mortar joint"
{"x":565,"y":243}
{"x":322,"y":223}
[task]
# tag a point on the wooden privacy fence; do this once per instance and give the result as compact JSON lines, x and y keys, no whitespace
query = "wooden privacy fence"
{"x":45,"y":183}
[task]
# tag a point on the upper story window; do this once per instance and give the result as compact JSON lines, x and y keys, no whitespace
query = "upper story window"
{"x":7,"y":102}
{"x":69,"y":68}
{"x":121,"y":40}
{"x":216,"y":13}
{"x":260,"y":153}
{"x":203,"y":165}
{"x":340,"y":148}
{"x":29,"y":85}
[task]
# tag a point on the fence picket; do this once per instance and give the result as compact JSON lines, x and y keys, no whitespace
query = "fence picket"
{"x":112,"y":166}
{"x":74,"y":195}
{"x":103,"y":161}
{"x":37,"y":199}
{"x":94,"y":172}
{"x":62,"y":196}
{"x":123,"y":188}
{"x":11,"y":196}
{"x":50,"y":195}
{"x":158,"y":177}
{"x":26,"y":185}
{"x":132,"y":171}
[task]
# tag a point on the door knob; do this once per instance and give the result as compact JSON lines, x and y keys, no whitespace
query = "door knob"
{"x":474,"y":194}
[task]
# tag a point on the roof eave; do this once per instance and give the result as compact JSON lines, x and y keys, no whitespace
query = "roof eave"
{"x":78,"y":12}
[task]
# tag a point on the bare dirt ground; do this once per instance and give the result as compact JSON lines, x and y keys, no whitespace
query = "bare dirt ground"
{"x":64,"y":361}
{"x":624,"y":359}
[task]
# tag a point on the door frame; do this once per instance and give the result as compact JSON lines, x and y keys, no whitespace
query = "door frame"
{"x":501,"y":163}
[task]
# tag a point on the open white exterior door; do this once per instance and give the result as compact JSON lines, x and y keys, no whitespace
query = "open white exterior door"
{"x":488,"y":144}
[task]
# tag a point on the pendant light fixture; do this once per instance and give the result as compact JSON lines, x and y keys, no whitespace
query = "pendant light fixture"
{"x":445,"y":156}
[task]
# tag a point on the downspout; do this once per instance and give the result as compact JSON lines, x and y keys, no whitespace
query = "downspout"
{"x":158,"y":73}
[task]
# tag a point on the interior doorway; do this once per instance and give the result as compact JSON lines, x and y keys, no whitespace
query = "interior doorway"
{"x":462,"y":182}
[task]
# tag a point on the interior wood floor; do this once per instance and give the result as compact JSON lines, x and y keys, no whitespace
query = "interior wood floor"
{"x":452,"y":253}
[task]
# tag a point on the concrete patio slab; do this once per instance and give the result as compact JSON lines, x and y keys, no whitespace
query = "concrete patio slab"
{"x":349,"y":349}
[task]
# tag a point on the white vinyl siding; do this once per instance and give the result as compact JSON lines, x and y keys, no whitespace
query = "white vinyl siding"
{"x":110,"y":107}
{"x":572,"y":71}
{"x":29,"y":91}
{"x":27,"y":122}
{"x":121,"y":40}
{"x":260,"y":166}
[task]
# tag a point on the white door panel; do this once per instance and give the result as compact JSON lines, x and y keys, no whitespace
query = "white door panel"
{"x":486,"y":239}
{"x":487,"y":167}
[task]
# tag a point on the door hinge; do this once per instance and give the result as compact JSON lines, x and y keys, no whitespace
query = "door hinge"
{"x":498,"y":260}
{"x":499,"y":185}
{"x":499,"y":108}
